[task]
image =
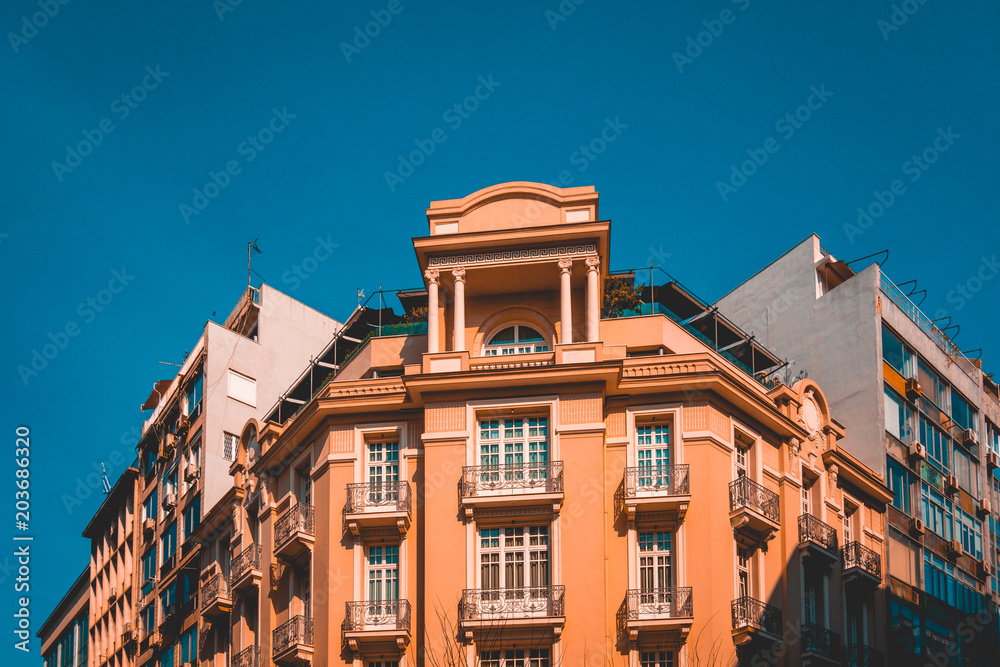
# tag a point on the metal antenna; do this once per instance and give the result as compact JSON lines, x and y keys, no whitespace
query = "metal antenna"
{"x":251,"y":248}
{"x":107,"y":484}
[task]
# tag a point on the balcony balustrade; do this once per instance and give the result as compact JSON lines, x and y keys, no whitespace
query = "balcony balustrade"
{"x":819,"y":645}
{"x":535,"y":609}
{"x":512,"y":484}
{"x":817,"y":539}
{"x":376,"y":504}
{"x":754,"y":511}
{"x":663,"y":490}
{"x":294,"y":532}
{"x":862,"y":565}
{"x":245,"y":572}
{"x":659,"y":614}
{"x":753,"y":618}
{"x":859,"y":655}
{"x":248,"y":657}
{"x":216,"y":599}
{"x":292,"y":641}
{"x":375,"y":626}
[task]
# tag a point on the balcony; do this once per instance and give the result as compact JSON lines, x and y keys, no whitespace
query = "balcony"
{"x":215,"y":597}
{"x":862,"y":565}
{"x":819,"y":645}
{"x":292,"y":642}
{"x":858,"y":655}
{"x":661,"y":493}
{"x":294,"y":533}
{"x":817,"y":540}
{"x":517,"y":484}
{"x":753,"y":618}
{"x":660,"y":615}
{"x":245,"y":572}
{"x":248,"y":657}
{"x":754,"y":512}
{"x":529,"y":612}
{"x":378,"y":504}
{"x":377,"y":626}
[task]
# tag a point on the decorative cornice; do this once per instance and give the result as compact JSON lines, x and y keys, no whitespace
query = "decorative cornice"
{"x":511,"y":256}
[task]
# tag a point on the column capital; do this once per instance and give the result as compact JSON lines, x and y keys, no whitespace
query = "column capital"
{"x":593,"y":263}
{"x":459,"y":274}
{"x":432,"y":276}
{"x":565,"y":265}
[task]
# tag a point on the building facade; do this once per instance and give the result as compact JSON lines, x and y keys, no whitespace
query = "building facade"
{"x":923,"y":416}
{"x":64,"y":634}
{"x":519,"y":474}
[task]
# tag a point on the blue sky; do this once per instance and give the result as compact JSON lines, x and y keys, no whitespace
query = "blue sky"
{"x":300,"y":117}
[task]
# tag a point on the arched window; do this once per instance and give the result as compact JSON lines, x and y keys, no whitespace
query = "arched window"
{"x":518,"y":339}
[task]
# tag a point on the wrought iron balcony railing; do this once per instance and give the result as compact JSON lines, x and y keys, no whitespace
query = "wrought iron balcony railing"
{"x":860,"y":556}
{"x":245,"y":561}
{"x":657,"y":480}
{"x":297,"y":630}
{"x":508,"y":603}
{"x":744,"y":492}
{"x":298,"y":518}
{"x":214,"y":589}
{"x":749,"y":612}
{"x":816,"y":639}
{"x":642,"y":604}
{"x":812,"y":529}
{"x":248,"y":657}
{"x":377,"y":615}
{"x":378,"y":496}
{"x":511,"y":479}
{"x":858,"y":655}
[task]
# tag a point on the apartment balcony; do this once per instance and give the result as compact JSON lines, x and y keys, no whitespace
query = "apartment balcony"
{"x":661,"y":493}
{"x":376,"y":505}
{"x":377,"y":626}
{"x":512,"y":485}
{"x":754,"y":511}
{"x":295,"y":533}
{"x":216,"y":600}
{"x":817,"y":540}
{"x":244,"y":571}
{"x":659,"y":615}
{"x":292,"y":642}
{"x":534,"y":612}
{"x":862,"y":565}
{"x":858,"y":655}
{"x":755,"y":619}
{"x":819,"y":645}
{"x":248,"y":657}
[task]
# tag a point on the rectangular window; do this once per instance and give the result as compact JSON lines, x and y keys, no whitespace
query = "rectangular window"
{"x":943,"y":581}
{"x":962,"y":412}
{"x":896,"y":354}
{"x":936,"y":443}
{"x":242,"y":388}
{"x":741,"y":461}
{"x":806,"y":497}
{"x":963,"y":469}
{"x":383,"y":468}
{"x":513,"y":438}
{"x":745,"y":586}
{"x":189,"y":646}
{"x":194,"y":393}
{"x":970,"y":532}
{"x":168,"y":598}
{"x":169,"y":541}
{"x":652,"y":454}
{"x":383,"y":573}
{"x":933,"y":387}
{"x":656,"y":573}
{"x":230,"y":443}
{"x":192,"y":516}
{"x":936,"y":511}
{"x":898,"y":417}
{"x":150,"y":507}
{"x":656,"y":659}
{"x":169,"y":483}
{"x":148,"y":571}
{"x":536,"y":657}
{"x":148,"y":619}
{"x":167,"y":657}
{"x":504,"y":554}
{"x":899,"y":483}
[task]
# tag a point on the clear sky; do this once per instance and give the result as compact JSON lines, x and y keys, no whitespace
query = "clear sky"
{"x":116,"y":116}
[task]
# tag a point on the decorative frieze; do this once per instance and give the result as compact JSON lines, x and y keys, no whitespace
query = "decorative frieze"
{"x":513,"y":256}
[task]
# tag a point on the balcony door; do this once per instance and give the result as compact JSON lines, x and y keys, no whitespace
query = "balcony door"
{"x":656,"y":573}
{"x":524,"y":443}
{"x":652,"y":454}
{"x":514,"y":564}
{"x":383,"y":471}
{"x":744,"y":572}
{"x":383,"y":585}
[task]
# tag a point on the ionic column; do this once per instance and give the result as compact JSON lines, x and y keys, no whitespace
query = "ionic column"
{"x":593,"y":297}
{"x":565,"y":301}
{"x":459,"y":275}
{"x":432,"y":276}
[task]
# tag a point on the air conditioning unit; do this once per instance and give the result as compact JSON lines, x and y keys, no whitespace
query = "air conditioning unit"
{"x":951,"y":485}
{"x":148,"y":526}
{"x":992,"y":461}
{"x":155,"y":638}
{"x":167,"y":446}
{"x":954,"y":548}
{"x":969,"y":438}
{"x":913,"y":389}
{"x":918,"y":452}
{"x":169,"y":501}
{"x":985,"y":508}
{"x":192,"y":474}
{"x":984,"y":569}
{"x":112,"y":594}
{"x":917,"y":527}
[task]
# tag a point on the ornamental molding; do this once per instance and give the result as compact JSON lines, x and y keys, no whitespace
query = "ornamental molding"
{"x":513,"y":256}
